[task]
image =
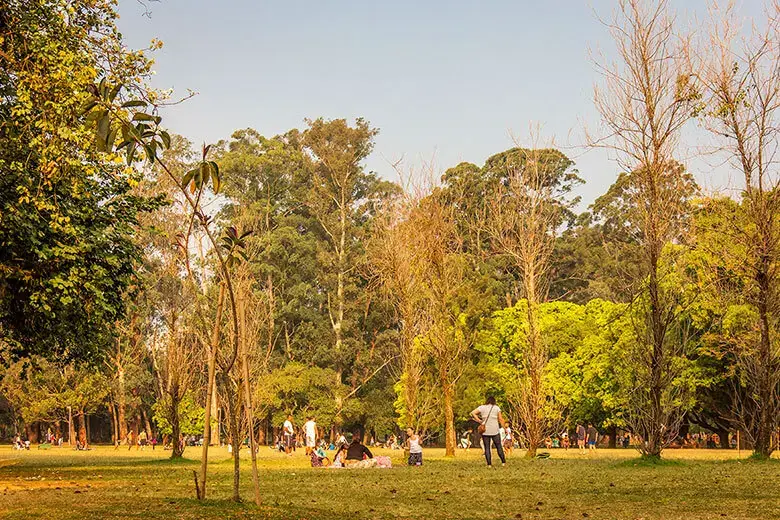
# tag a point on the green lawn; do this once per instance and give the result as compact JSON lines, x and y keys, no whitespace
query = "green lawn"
{"x":104,"y":483}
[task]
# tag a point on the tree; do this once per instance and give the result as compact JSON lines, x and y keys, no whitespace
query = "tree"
{"x":342,"y":198}
{"x":646,"y":100}
{"x":742,"y":81}
{"x":522,"y":221}
{"x":67,"y":211}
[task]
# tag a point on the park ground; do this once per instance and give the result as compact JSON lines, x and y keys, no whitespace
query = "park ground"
{"x":612,"y":484}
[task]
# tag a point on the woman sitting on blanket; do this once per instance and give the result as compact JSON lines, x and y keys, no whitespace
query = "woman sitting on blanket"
{"x":358,"y":455}
{"x":319,"y":458}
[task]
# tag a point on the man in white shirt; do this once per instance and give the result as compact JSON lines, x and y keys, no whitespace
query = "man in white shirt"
{"x":288,"y":435}
{"x":310,"y":430}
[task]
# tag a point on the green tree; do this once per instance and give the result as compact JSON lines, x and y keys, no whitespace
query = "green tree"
{"x":67,"y":211}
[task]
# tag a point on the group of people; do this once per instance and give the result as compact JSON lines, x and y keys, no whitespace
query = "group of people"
{"x":703,"y":440}
{"x":493,"y":429}
{"x":357,"y":455}
{"x":20,"y":444}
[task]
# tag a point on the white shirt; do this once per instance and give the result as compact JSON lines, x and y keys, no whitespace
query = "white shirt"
{"x":288,"y":427}
{"x":310,"y":427}
{"x":489,"y":415}
{"x":414,"y":445}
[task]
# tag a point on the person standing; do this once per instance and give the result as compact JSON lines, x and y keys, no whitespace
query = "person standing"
{"x":310,"y":434}
{"x":415,"y":449}
{"x":489,"y":417}
{"x":593,"y":437}
{"x":288,"y":434}
{"x":509,"y":440}
{"x":582,"y":434}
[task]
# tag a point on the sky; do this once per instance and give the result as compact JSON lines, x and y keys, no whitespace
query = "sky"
{"x":444,"y":81}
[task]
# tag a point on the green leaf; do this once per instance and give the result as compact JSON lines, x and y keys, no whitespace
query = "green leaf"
{"x":96,"y":114}
{"x":142,"y":116}
{"x":166,"y":138}
{"x":134,"y":103}
{"x":215,"y":178}
{"x":187,"y":179}
{"x":103,"y":127}
{"x":130,"y":156}
{"x":114,"y":92}
{"x":87,"y":106}
{"x":110,"y":139}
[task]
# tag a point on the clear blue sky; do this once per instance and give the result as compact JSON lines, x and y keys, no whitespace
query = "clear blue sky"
{"x":450,"y":78}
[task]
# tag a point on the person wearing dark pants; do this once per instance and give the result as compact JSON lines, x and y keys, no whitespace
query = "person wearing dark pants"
{"x":489,"y":417}
{"x":496,"y":439}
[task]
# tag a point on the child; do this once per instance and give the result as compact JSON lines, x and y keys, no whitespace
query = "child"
{"x":340,"y":458}
{"x":415,"y":450}
{"x":319,"y":458}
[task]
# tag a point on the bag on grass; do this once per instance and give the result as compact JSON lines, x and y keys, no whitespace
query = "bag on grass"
{"x":383,"y":462}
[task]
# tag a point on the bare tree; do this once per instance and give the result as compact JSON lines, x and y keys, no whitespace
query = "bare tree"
{"x":522,"y":220}
{"x":394,"y":251}
{"x":417,"y":259}
{"x":742,"y":79}
{"x":646,"y":98}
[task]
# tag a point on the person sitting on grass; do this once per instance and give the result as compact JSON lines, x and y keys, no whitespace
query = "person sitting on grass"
{"x":340,"y":459}
{"x":465,"y":440}
{"x":319,"y":458}
{"x":358,"y":455}
{"x":415,"y":449}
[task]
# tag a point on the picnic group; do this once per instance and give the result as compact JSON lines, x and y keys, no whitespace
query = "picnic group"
{"x":493,"y":430}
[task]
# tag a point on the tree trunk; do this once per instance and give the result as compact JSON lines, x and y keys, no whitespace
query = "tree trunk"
{"x":71,"y":433}
{"x":536,"y":363}
{"x":654,"y":435}
{"x":449,"y":418}
{"x":32,"y":433}
{"x":235,"y":440}
{"x":212,"y":362}
{"x":338,"y":321}
{"x":177,"y":449}
{"x":763,"y":366}
{"x":723,"y":438}
{"x":147,"y":424}
{"x":612,"y":432}
{"x":114,"y":425}
{"x":82,"y":428}
{"x":215,"y":415}
{"x":250,"y":415}
{"x":120,"y":374}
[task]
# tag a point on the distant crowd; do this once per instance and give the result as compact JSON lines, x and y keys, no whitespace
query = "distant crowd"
{"x":493,"y":432}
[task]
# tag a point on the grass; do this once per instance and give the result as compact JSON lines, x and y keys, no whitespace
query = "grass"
{"x":611,"y":484}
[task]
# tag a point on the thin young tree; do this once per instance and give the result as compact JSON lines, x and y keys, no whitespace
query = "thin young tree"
{"x":646,"y":98}
{"x":137,"y":125}
{"x":741,"y":73}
